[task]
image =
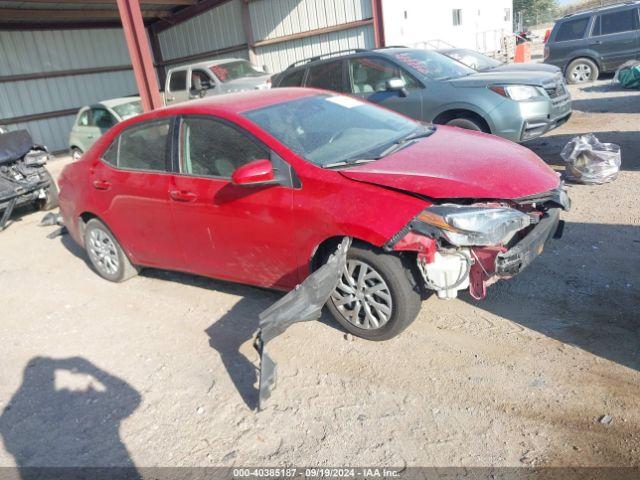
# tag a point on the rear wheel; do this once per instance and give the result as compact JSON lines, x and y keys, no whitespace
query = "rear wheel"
{"x":106,"y":254}
{"x":377,"y":296}
{"x":582,"y":70}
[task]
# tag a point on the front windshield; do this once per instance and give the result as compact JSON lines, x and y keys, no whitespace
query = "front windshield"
{"x":233,"y":70}
{"x":432,"y":65}
{"x":474,"y":60}
{"x":128,"y":110}
{"x":329,"y":129}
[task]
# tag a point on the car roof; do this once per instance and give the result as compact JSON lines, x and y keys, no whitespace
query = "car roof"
{"x":233,"y":103}
{"x":591,"y":11}
{"x":114,"y":102}
{"x":210,"y":63}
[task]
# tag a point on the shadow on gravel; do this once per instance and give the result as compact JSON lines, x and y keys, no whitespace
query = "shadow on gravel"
{"x":549,"y":147}
{"x":67,"y":413}
{"x":584,"y":290}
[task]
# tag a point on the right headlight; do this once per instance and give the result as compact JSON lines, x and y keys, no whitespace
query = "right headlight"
{"x":519,"y":93}
{"x":469,"y":226}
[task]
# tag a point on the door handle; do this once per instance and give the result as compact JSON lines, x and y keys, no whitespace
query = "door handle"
{"x":101,"y":185}
{"x":90,"y":136}
{"x":182,"y":195}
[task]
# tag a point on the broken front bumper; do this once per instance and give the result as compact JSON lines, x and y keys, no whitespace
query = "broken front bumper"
{"x":518,"y":257}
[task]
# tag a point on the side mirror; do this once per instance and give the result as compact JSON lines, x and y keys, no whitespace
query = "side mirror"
{"x":397,"y":85}
{"x":255,"y":173}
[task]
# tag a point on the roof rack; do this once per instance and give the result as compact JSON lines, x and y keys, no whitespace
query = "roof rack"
{"x":327,"y":55}
{"x":602,"y":7}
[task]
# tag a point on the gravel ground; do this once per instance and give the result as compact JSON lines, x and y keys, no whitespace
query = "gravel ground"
{"x":160,"y":371}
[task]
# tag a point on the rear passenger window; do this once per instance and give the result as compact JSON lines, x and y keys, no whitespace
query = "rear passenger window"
{"x":214,"y":149}
{"x":293,"y":79}
{"x":615,"y":22}
{"x":142,"y":148}
{"x":178,"y":81}
{"x":572,"y":29}
{"x":327,"y":76}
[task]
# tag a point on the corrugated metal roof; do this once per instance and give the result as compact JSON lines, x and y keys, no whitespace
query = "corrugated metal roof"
{"x":215,"y":29}
{"x":33,"y":51}
{"x":278,"y":18}
{"x":279,"y":56}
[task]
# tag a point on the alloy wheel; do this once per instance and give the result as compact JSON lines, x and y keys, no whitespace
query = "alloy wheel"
{"x":103,"y":252}
{"x":362,"y":296}
{"x":581,"y":73}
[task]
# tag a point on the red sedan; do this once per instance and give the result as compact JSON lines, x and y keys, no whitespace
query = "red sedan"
{"x":260,"y":187}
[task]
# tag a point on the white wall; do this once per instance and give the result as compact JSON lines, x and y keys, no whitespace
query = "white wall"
{"x":409,"y":22}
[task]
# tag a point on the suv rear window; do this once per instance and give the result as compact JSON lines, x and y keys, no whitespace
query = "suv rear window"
{"x":572,"y":29}
{"x":327,"y":76}
{"x":615,"y":22}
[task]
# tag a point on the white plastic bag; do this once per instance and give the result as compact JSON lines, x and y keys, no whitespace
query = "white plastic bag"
{"x":589,"y":161}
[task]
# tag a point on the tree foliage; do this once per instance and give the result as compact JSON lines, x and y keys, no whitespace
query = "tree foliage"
{"x":535,"y":11}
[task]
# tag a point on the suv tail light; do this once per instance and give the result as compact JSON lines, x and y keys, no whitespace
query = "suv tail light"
{"x":547,"y":34}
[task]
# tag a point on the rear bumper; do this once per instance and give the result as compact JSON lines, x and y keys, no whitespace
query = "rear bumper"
{"x":517,"y":258}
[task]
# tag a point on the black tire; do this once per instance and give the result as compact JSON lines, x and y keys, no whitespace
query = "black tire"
{"x":106,"y":254}
{"x":582,"y":70}
{"x":76,"y":153}
{"x":468,"y":122}
{"x":397,"y":274}
{"x":51,"y":200}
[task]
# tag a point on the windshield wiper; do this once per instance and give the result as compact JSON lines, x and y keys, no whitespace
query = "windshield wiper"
{"x":348,"y":161}
{"x":406,"y":141}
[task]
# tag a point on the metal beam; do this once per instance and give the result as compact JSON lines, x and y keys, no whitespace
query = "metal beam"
{"x":156,"y":50}
{"x":83,"y":25}
{"x":378,"y":23}
{"x":312,"y":33}
{"x":141,"y":59}
{"x":111,"y":2}
{"x":43,"y":15}
{"x":62,"y":73}
{"x":39,"y":116}
{"x":248,"y":31}
{"x":202,"y":55}
{"x":188,"y":13}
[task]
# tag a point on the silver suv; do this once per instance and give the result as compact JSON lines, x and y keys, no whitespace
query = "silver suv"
{"x":431,"y":87}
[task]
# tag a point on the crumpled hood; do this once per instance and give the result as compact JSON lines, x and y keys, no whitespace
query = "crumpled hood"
{"x":497,"y":77}
{"x":457,"y":163}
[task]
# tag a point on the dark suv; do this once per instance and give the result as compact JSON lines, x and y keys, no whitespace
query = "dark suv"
{"x":600,"y":40}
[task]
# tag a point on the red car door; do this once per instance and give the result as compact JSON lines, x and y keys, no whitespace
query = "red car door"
{"x":239,"y":233}
{"x":131,"y":194}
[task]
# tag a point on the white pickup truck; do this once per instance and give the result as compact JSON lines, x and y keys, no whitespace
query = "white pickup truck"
{"x":214,"y":77}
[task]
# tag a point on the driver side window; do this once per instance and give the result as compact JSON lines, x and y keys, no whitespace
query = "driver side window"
{"x":211,"y":148}
{"x":200,"y":81}
{"x":370,"y":75}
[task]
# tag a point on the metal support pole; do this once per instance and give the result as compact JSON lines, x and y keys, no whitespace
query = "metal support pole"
{"x":248,"y":32}
{"x":141,"y":59}
{"x":378,"y":23}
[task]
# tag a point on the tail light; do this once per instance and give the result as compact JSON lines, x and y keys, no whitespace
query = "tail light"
{"x":547,"y":34}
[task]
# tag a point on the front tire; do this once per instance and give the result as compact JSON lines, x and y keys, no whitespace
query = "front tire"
{"x":466,"y":122}
{"x":377,"y":296}
{"x":582,"y":70}
{"x":76,"y":153}
{"x":106,"y":254}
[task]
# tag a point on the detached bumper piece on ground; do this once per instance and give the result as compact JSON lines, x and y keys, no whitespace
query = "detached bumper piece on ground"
{"x":23,"y":177}
{"x":302,"y":304}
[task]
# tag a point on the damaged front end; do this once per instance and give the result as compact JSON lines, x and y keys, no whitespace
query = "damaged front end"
{"x":302,"y":304}
{"x":23,"y":177}
{"x":470,"y":246}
